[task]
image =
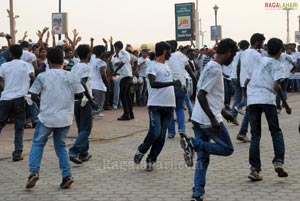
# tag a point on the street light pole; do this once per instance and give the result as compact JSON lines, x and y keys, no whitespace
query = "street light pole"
{"x":216,"y":19}
{"x":12,"y":22}
{"x":59,"y":10}
{"x":299,"y":22}
{"x":197,"y":26}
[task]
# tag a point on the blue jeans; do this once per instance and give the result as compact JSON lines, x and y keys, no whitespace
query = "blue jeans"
{"x":255,"y":113}
{"x":237,"y":96}
{"x":188,"y":103}
{"x":203,"y":146}
{"x":284,"y":86}
{"x":244,"y":98}
{"x":245,"y":122}
{"x":84,"y":121}
{"x":17,"y":106}
{"x":39,"y":141}
{"x":159,"y":119}
{"x":180,"y":96}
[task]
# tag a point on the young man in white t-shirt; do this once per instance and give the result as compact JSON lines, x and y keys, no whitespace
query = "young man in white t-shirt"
{"x":16,"y":75}
{"x":57,"y":88}
{"x":83,"y":107}
{"x":99,"y":77}
{"x":124,"y":69}
{"x":261,"y":93}
{"x":161,"y":103}
{"x":250,"y":59}
{"x":142,"y":65}
{"x":207,"y":118}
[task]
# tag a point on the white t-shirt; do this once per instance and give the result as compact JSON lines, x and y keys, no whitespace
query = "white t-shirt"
{"x":260,"y":89}
{"x":250,"y":59}
{"x":97,"y":82}
{"x":177,"y":62}
{"x":211,"y":81}
{"x":28,"y":56}
{"x":126,"y":70}
{"x":286,"y":61}
{"x":165,"y":96}
{"x":16,"y":79}
{"x":227,"y":71}
{"x":57,"y":88}
{"x":142,"y":70}
{"x":83,"y":70}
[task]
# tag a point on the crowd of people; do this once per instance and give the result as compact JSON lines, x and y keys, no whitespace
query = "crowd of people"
{"x":168,"y":80}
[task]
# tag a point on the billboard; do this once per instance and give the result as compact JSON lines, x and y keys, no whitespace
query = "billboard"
{"x":60,"y":23}
{"x":184,"y":21}
{"x":215,"y":33}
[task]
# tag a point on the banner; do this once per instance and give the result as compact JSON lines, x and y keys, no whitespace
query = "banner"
{"x":184,"y":21}
{"x":215,"y":33}
{"x":60,"y":23}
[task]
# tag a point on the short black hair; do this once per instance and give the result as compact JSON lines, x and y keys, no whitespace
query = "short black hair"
{"x":225,"y":45}
{"x":67,"y":49}
{"x":244,"y":44}
{"x":118,"y":45}
{"x":55,"y":55}
{"x":160,"y":47}
{"x":98,"y":50}
{"x":275,"y":45}
{"x":151,"y":56}
{"x":16,"y":51}
{"x":25,"y":44}
{"x":83,"y":51}
{"x":257,"y":37}
{"x":173,"y":44}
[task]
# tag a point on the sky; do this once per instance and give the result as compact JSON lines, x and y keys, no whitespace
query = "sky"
{"x":149,"y":21}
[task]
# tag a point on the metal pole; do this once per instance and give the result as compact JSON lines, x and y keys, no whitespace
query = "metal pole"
{"x":299,"y":22}
{"x":216,"y":19}
{"x":59,"y":10}
{"x":12,"y":22}
{"x":288,"y":26}
{"x":197,"y":26}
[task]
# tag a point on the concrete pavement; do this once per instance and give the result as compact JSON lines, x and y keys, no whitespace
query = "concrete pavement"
{"x":112,"y":176}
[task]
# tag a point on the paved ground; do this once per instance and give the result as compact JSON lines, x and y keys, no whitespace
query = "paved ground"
{"x":112,"y":176}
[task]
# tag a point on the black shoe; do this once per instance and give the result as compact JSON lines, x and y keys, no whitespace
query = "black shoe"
{"x":197,"y":198}
{"x":242,"y":138}
{"x":26,"y":126}
{"x":107,"y":108}
{"x":67,"y":182}
{"x":32,"y":179}
{"x":138,"y":157}
{"x":85,"y":158}
{"x":150,"y":165}
{"x":188,"y":149}
{"x":131,"y":116}
{"x":18,"y":158}
{"x":124,"y":117}
{"x":75,"y":159}
{"x":278,"y":167}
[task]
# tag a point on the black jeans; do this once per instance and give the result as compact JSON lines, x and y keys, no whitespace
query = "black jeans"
{"x":125,"y":95}
{"x":255,"y":113}
{"x":17,"y":107}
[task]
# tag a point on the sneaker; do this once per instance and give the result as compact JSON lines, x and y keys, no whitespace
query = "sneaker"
{"x":170,"y":136}
{"x":32,"y":179}
{"x":197,"y":198}
{"x":115,"y":107}
{"x":67,"y":182}
{"x":75,"y":159}
{"x":278,"y":167}
{"x":18,"y":158}
{"x":188,"y":149}
{"x":239,"y":110}
{"x":85,"y":158}
{"x":149,"y":166}
{"x":236,"y":122}
{"x":138,"y":157}
{"x":100,"y":114}
{"x":242,"y":138}
{"x":255,"y":176}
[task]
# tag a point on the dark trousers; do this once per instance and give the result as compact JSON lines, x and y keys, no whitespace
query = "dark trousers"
{"x":125,"y":95}
{"x":17,"y":107}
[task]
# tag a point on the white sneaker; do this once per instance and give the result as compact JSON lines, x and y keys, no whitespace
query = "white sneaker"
{"x":100,"y":114}
{"x":115,"y":107}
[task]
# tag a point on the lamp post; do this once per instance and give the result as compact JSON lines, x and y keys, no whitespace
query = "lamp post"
{"x":59,"y":10}
{"x":299,"y":22}
{"x":216,"y":18}
{"x":12,"y":21}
